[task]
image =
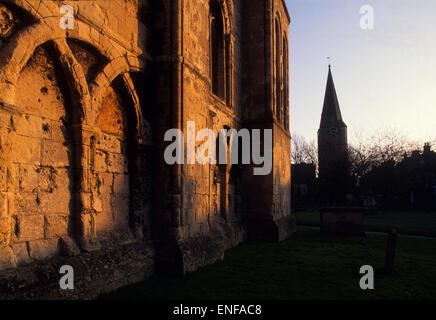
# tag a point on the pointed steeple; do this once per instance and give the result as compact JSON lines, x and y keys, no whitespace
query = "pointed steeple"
{"x":331,"y":113}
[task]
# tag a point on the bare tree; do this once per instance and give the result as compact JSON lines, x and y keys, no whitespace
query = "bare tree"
{"x":390,"y":144}
{"x":432,"y":143}
{"x":303,"y":151}
{"x":364,"y":151}
{"x":385,"y":145}
{"x":361,"y":156}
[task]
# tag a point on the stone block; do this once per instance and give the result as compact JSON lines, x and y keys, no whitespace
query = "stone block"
{"x":46,"y":179}
{"x":121,"y":220}
{"x":41,"y":249}
{"x":121,"y":184}
{"x":6,"y":144}
{"x":97,"y":204}
{"x":56,"y":226}
{"x":4,"y":205}
{"x":21,"y":253}
{"x":120,"y":202}
{"x":117,"y":163}
{"x":54,"y":154}
{"x":109,"y":143}
{"x":46,"y":129}
{"x":100,"y":164}
{"x":3,"y":177}
{"x":31,"y":227}
{"x":28,"y":125}
{"x":12,"y":172}
{"x":5,"y":119}
{"x":202,"y":186}
{"x":5,"y":231}
{"x":25,"y":150}
{"x":85,"y":200}
{"x":104,"y":222}
{"x":11,"y":208}
{"x":58,"y":131}
{"x":62,"y":181}
{"x":120,"y":207}
{"x":29,"y":178}
{"x":105,"y":182}
{"x":85,"y":135}
{"x":26,"y":204}
{"x":106,"y":202}
{"x":55,"y":202}
{"x":7,"y":258}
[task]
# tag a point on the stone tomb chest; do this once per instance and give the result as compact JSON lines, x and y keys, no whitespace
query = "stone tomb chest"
{"x":343,"y":220}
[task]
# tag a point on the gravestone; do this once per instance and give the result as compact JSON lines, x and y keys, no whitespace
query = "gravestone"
{"x":390,"y":252}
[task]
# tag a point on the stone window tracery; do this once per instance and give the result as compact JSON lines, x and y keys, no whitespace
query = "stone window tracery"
{"x":278,"y":71}
{"x":217,"y":50}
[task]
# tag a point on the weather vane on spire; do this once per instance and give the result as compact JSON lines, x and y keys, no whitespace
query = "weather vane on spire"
{"x":328,"y":59}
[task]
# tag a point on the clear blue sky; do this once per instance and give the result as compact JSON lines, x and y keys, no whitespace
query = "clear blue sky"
{"x":385,"y":77}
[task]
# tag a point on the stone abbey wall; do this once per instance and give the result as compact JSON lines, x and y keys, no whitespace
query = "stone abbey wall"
{"x":83,"y":113}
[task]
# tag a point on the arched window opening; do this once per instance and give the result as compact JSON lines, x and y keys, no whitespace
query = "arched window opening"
{"x":278,"y":72}
{"x":286,"y":82}
{"x":217,"y":50}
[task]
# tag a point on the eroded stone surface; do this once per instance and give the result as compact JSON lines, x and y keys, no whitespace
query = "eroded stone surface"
{"x":83,"y":115}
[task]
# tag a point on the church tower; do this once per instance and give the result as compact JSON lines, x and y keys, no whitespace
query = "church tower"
{"x":332,"y":149}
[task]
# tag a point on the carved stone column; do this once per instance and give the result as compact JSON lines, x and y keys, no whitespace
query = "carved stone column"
{"x":87,"y":202}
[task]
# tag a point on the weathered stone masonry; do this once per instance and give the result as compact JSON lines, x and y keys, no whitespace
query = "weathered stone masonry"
{"x":83,"y":113}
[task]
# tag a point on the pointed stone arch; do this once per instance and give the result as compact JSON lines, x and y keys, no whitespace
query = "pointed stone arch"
{"x":278,"y":67}
{"x":18,"y":51}
{"x":111,"y":71}
{"x":13,"y":58}
{"x":46,"y":126}
{"x":119,"y":155}
{"x":48,"y":9}
{"x":221,"y":49}
{"x":227,"y":11}
{"x":285,"y":81}
{"x":21,"y":46}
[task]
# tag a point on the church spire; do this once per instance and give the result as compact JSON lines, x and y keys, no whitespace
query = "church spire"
{"x":331,"y":113}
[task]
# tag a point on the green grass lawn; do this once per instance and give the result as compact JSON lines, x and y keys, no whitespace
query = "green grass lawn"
{"x":305,"y":266}
{"x":419,"y":223}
